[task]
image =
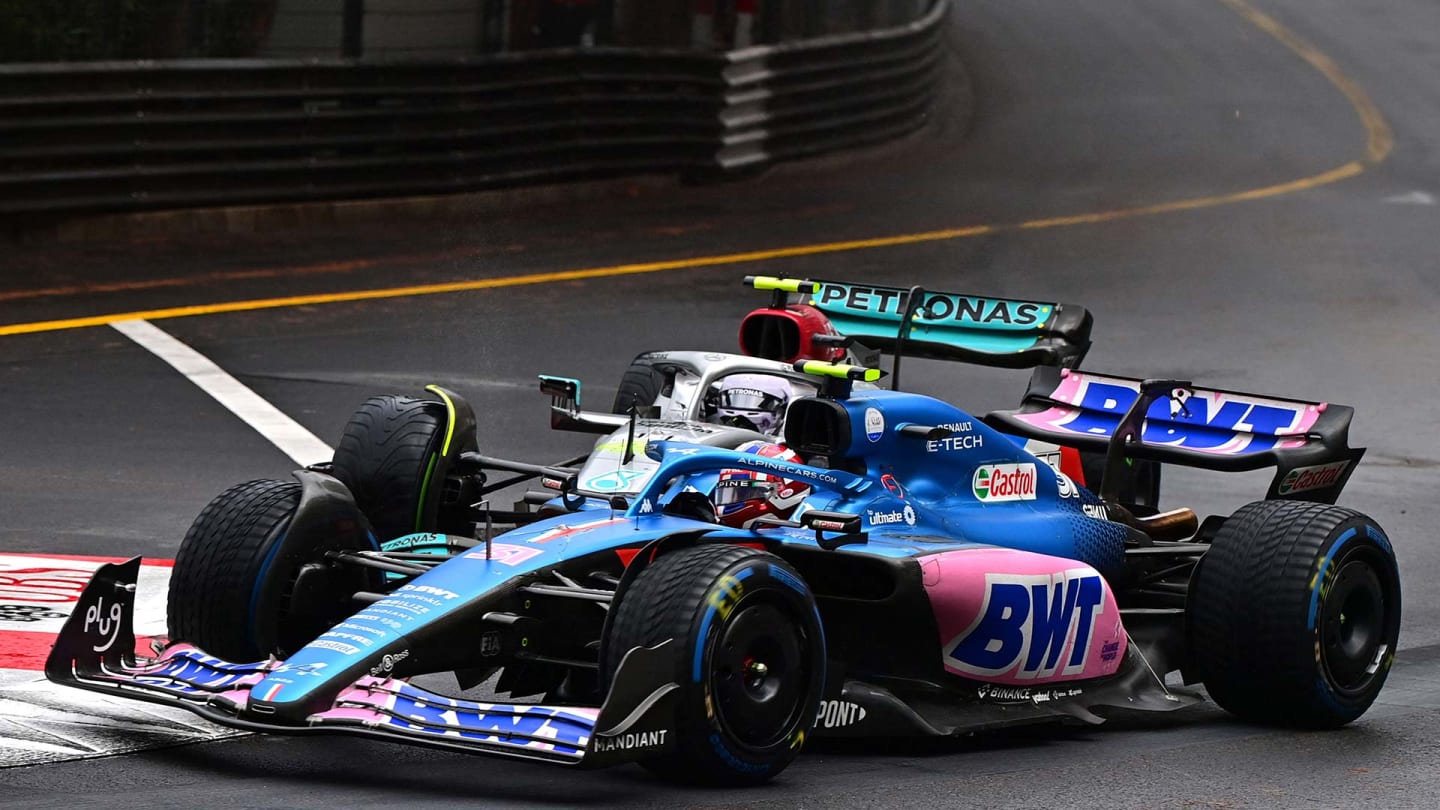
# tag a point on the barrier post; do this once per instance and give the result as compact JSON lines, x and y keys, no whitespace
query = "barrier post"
{"x":702,"y":25}
{"x":352,"y":36}
{"x":745,"y":12}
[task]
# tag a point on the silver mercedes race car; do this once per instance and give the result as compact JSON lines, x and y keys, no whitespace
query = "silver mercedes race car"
{"x":390,"y":455}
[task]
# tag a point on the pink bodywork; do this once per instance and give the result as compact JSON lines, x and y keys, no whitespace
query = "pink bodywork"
{"x":375,"y":702}
{"x":984,"y":601}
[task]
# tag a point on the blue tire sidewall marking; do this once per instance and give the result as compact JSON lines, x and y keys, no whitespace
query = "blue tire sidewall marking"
{"x":1327,"y":693}
{"x":260,"y":581}
{"x":704,"y":634}
{"x":1319,"y":584}
{"x":788,"y":579}
{"x":1378,"y":536}
{"x":731,"y":759}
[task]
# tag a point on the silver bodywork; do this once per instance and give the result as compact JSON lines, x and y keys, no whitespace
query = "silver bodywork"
{"x":678,"y":414}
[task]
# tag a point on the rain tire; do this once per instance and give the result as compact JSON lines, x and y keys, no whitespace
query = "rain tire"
{"x":747,"y":642}
{"x":1295,"y":614}
{"x":387,"y":458}
{"x":233,"y":588}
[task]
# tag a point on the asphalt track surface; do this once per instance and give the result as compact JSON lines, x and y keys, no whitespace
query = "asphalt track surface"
{"x":1243,"y":195}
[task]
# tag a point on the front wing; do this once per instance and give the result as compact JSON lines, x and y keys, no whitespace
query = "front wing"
{"x":93,"y":651}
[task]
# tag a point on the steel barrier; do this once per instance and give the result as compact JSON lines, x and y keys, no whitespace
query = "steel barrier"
{"x":126,"y":136}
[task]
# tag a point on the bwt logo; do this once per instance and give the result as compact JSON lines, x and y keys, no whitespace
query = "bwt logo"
{"x":1028,"y":620}
{"x":1211,"y":426}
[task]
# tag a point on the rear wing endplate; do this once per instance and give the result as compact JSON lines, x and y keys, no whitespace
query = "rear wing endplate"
{"x":1308,"y":442}
{"x":1001,"y":332}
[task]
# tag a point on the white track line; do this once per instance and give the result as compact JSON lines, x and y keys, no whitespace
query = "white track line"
{"x":295,"y":441}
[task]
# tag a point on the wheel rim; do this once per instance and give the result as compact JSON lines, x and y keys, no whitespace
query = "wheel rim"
{"x":759,"y":675}
{"x":1354,"y":626}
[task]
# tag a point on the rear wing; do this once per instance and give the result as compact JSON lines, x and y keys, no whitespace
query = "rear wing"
{"x":915,"y":322}
{"x":1308,"y":442}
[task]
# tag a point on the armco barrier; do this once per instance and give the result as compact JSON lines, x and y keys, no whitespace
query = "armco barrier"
{"x":105,"y":137}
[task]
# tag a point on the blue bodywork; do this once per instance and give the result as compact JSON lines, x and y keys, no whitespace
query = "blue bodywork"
{"x":595,"y":606}
{"x":916,"y":496}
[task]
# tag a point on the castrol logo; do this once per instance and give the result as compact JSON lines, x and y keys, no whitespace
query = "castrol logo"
{"x":994,"y":483}
{"x":1304,"y":479}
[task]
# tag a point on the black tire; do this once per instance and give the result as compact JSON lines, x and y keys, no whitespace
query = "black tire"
{"x":1140,"y":486}
{"x":640,"y":385}
{"x":387,"y":457}
{"x":736,"y":606}
{"x":232,"y":589}
{"x":1295,"y":614}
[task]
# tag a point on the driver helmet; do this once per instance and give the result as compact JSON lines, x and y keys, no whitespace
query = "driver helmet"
{"x":741,"y":496}
{"x":752,"y":401}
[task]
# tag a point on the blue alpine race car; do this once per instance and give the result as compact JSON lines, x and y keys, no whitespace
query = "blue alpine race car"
{"x":938,"y":579}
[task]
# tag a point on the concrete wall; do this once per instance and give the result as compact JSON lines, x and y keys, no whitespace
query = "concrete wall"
{"x":422,"y":28}
{"x":419,"y":29}
{"x":305,"y":29}
{"x":416,"y":29}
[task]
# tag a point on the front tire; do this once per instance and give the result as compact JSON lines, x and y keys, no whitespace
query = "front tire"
{"x":245,"y":587}
{"x":388,"y":457}
{"x":640,"y":386}
{"x":1295,"y":614}
{"x":749,"y":655}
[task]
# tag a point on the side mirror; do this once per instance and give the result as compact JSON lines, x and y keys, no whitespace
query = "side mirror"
{"x":822,"y":521}
{"x":845,"y":525}
{"x":564,"y":392}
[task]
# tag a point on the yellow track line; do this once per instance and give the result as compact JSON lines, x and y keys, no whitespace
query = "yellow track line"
{"x":1379,"y":141}
{"x":493,"y":283}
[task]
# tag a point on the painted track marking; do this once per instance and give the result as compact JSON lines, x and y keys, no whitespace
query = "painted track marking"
{"x":42,"y":722}
{"x":290,"y":436}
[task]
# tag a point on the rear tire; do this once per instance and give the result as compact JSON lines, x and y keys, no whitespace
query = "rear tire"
{"x":640,"y":385}
{"x":233,"y":586}
{"x":387,"y":457}
{"x":1295,"y":614}
{"x":749,"y":656}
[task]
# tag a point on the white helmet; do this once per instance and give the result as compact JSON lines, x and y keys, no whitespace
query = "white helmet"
{"x":754,"y":401}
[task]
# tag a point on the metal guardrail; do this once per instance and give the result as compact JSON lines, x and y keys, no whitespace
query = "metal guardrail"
{"x":126,"y":136}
